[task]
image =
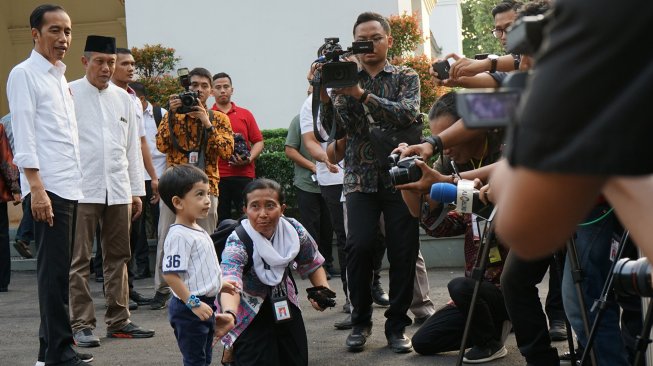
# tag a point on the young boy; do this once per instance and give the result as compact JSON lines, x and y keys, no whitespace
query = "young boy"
{"x":190,"y":264}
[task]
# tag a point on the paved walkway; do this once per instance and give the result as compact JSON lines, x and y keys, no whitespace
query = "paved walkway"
{"x":19,"y":321}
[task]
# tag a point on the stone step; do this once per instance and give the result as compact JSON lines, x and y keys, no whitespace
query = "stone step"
{"x":437,"y":252}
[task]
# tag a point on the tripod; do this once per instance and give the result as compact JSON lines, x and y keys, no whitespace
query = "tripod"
{"x":602,"y":302}
{"x":477,"y":275}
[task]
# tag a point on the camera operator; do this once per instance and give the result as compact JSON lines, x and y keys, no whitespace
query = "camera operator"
{"x":391,"y":94}
{"x":443,"y":331}
{"x":198,"y":138}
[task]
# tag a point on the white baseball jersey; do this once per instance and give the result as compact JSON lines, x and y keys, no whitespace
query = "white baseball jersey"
{"x":190,"y":253}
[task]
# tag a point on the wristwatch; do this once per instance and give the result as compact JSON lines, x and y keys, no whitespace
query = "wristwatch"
{"x":435,"y":142}
{"x":193,"y":302}
{"x":493,"y":63}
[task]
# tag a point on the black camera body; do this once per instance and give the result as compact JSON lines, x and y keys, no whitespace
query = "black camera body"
{"x":240,"y":147}
{"x":403,"y":171}
{"x":188,"y":98}
{"x":525,"y":35}
{"x":188,"y":101}
{"x":442,"y":68}
{"x":341,"y":74}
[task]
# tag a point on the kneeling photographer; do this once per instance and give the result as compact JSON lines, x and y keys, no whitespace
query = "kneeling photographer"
{"x":443,"y":331}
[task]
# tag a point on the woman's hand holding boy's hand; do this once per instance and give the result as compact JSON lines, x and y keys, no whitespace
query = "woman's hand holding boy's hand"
{"x":223,"y":324}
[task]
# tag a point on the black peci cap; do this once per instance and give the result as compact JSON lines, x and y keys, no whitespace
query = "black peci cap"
{"x":100,"y":44}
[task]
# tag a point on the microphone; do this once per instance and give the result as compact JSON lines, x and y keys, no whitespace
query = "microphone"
{"x":464,"y":195}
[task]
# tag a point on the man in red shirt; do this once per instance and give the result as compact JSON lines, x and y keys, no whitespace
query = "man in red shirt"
{"x":239,"y":170}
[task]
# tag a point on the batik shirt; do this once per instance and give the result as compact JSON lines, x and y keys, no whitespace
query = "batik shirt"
{"x":188,"y":131}
{"x":393,"y":102}
{"x":254,"y":292}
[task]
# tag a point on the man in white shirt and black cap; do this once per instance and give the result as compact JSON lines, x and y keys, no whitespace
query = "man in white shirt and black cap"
{"x":47,"y":153}
{"x":112,"y":167}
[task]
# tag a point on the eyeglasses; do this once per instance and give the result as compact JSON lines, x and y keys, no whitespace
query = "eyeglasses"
{"x":497,"y":32}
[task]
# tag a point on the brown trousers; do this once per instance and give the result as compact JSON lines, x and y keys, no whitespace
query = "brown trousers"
{"x":167,"y":218}
{"x":114,"y":224}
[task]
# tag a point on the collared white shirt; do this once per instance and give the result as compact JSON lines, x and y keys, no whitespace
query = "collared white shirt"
{"x":44,"y":126}
{"x":110,"y":148}
{"x":324,"y":176}
{"x":151,"y":129}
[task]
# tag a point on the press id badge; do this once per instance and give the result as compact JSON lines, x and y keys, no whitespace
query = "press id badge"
{"x":193,"y":158}
{"x":279,"y":300}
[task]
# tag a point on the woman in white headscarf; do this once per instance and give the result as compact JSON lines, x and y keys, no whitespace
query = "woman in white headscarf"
{"x":266,"y":327}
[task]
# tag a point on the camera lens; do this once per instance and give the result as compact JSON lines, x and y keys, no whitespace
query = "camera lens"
{"x":399,"y":176}
{"x":633,"y":277}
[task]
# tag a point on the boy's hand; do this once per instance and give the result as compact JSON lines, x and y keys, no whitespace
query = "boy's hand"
{"x":230,"y":287}
{"x":223,"y":324}
{"x":203,"y":311}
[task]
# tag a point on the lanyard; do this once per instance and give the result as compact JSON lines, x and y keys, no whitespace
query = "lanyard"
{"x":480,"y":163}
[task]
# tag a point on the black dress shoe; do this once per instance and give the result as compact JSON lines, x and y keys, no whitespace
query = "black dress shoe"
{"x":398,"y":342}
{"x":358,"y":337}
{"x":138,"y":298}
{"x":379,"y":296}
{"x":133,"y":305}
{"x":344,"y":323}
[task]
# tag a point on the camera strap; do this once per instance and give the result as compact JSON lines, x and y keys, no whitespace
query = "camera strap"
{"x":317,"y":85}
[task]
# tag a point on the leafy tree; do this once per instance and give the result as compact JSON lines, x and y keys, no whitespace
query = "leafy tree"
{"x":153,"y":65}
{"x":406,"y":34}
{"x":154,"y":60}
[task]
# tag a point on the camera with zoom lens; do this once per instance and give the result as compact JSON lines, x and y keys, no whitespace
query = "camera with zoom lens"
{"x":188,"y":98}
{"x":633,"y":277}
{"x":336,"y":73}
{"x":403,"y":171}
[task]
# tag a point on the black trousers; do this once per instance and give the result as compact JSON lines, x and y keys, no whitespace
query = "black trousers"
{"x":5,"y":253}
{"x":52,"y":274}
{"x":402,"y":240}
{"x":265,"y":343}
{"x":443,"y":331}
{"x":231,"y":196}
{"x":519,"y":285}
{"x":141,"y":249}
{"x":331,"y":195}
{"x":315,"y":218}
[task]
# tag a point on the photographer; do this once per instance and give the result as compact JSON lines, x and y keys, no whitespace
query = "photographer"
{"x":443,"y":331}
{"x":198,"y":138}
{"x":391,"y":95}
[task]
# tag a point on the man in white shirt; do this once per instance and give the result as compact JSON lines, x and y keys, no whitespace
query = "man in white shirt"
{"x":122,"y":76}
{"x":152,"y":116}
{"x":47,"y":153}
{"x":112,"y":184}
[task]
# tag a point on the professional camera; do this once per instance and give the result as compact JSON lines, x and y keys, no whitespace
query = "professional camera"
{"x":525,"y":36}
{"x":188,"y":98}
{"x":633,"y":277}
{"x":404,"y":170}
{"x":240,"y":147}
{"x":336,"y":73}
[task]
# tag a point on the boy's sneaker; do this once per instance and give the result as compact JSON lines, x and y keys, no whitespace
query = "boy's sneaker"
{"x":159,"y":301}
{"x":131,"y":330}
{"x":481,"y":354}
{"x":86,"y":338}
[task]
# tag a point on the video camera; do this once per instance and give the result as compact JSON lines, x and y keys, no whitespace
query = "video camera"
{"x":336,"y":73}
{"x":403,"y":171}
{"x":494,"y":108}
{"x":188,"y":98}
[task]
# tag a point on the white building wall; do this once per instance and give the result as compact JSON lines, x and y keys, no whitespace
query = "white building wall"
{"x":265,"y":46}
{"x":446,"y":25}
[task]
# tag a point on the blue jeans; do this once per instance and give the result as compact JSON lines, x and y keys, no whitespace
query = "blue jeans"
{"x":194,"y":336}
{"x":593,"y":243}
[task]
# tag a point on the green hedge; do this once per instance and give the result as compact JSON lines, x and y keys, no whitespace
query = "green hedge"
{"x":274,"y":144}
{"x":277,"y":132}
{"x":275,"y":165}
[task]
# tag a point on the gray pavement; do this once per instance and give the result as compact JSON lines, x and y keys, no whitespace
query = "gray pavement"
{"x":19,"y":321}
